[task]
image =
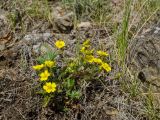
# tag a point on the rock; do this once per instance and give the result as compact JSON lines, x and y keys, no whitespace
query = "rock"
{"x":84,"y":25}
{"x":57,"y":12}
{"x":34,"y":38}
{"x":64,"y":24}
{"x":157,"y":30}
{"x":2,"y":47}
{"x":149,"y":75}
{"x":46,"y":36}
{"x":36,"y":48}
{"x":62,"y":20}
{"x":3,"y":23}
{"x":144,"y":57}
{"x":46,"y":48}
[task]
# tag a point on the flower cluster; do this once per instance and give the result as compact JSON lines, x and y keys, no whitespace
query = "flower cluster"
{"x":63,"y":78}
{"x":44,"y":75}
{"x":44,"y":69}
{"x":90,"y":58}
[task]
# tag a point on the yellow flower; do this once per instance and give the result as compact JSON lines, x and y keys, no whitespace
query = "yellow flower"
{"x":106,"y":67}
{"x":89,"y":51}
{"x":50,"y":87}
{"x":44,"y":75}
{"x":83,"y":49}
{"x":38,"y":67}
{"x":60,"y":44}
{"x":86,"y":43}
{"x":102,"y":53}
{"x":49,"y":63}
{"x":97,"y":60}
{"x":89,"y":58}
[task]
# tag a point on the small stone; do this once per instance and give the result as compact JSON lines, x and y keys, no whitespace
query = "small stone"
{"x":2,"y":47}
{"x":57,"y":12}
{"x":46,"y":36}
{"x":35,"y":38}
{"x":28,"y":37}
{"x":3,"y":23}
{"x":85,"y":25}
{"x":157,"y":30}
{"x":36,"y":48}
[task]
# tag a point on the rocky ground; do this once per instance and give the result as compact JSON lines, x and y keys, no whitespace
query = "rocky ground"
{"x":29,"y":38}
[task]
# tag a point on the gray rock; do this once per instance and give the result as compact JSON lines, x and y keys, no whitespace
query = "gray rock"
{"x":36,"y":48}
{"x":157,"y":30}
{"x":84,"y":25}
{"x":44,"y":48}
{"x":35,"y":38}
{"x":62,"y":20}
{"x":144,"y":57}
{"x":3,"y":23}
{"x":64,"y":24}
{"x":2,"y":47}
{"x":56,"y":12}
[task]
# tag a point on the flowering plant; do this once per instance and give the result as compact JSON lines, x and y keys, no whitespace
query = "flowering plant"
{"x":64,"y":81}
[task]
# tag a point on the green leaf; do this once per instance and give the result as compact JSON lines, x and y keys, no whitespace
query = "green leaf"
{"x":48,"y":56}
{"x":74,"y":94}
{"x":41,"y":92}
{"x":40,"y":60}
{"x":66,"y":109}
{"x":70,"y":83}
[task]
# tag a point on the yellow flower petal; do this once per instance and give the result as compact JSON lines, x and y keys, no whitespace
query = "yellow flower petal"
{"x":44,"y":87}
{"x":43,"y":79}
{"x":38,"y":67}
{"x":44,"y":75}
{"x":106,"y":67}
{"x":49,"y":63}
{"x":86,"y":43}
{"x":97,"y":60}
{"x":89,"y":58}
{"x":102,"y":53}
{"x":53,"y":85}
{"x":83,"y":49}
{"x":60,"y":44}
{"x":50,"y":87}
